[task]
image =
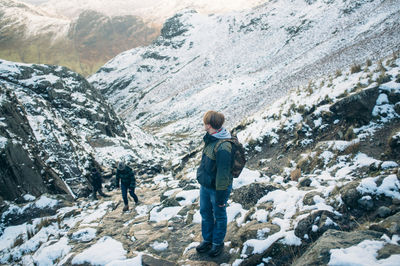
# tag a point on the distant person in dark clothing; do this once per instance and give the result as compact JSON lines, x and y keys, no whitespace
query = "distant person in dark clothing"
{"x":128,"y":182}
{"x":97,"y":183}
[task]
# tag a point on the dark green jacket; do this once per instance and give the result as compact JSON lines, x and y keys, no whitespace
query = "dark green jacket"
{"x":127,"y":177}
{"x":215,"y":168}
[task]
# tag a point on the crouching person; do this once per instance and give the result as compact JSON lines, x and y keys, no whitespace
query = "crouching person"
{"x":128,"y":182}
{"x":214,"y":176}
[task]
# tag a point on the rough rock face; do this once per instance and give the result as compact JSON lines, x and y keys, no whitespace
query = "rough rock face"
{"x":358,"y":106}
{"x":51,"y":122}
{"x":319,"y":252}
{"x":249,"y":195}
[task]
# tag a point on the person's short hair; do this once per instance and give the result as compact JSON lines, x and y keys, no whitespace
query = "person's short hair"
{"x":213,"y":118}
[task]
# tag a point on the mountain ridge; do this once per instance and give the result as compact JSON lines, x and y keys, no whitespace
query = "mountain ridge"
{"x":274,"y":47}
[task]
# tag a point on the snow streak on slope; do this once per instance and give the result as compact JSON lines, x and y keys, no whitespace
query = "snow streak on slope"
{"x":240,"y":62}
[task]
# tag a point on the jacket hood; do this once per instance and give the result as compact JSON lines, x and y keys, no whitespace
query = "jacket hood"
{"x":222,"y":134}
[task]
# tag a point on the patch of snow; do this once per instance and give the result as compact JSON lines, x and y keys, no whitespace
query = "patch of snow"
{"x":29,"y":197}
{"x":188,"y":196}
{"x":47,"y":255}
{"x":364,"y":253}
{"x":191,"y":246}
{"x":260,"y":215}
{"x":235,"y":211}
{"x":3,"y":142}
{"x":390,"y":186}
{"x":136,"y":261}
{"x":246,"y":177}
{"x":159,"y":246}
{"x":158,"y":214}
{"x":96,"y":255}
{"x":389,"y":164}
{"x":84,"y":235}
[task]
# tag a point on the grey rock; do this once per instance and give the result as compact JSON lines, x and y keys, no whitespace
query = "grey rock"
{"x":249,"y":195}
{"x":305,"y":182}
{"x":350,"y":195}
{"x":389,"y":226}
{"x":309,"y":198}
{"x":238,"y":235}
{"x":319,"y":252}
{"x":366,"y":203}
{"x":383,"y":211}
{"x":357,"y":107}
{"x":154,"y":261}
{"x":387,"y":251}
{"x":319,"y":220}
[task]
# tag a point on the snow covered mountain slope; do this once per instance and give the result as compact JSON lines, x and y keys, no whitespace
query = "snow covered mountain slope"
{"x":84,"y":43}
{"x":240,"y":62}
{"x":155,"y":11}
{"x":321,"y":187}
{"x":54,"y":126}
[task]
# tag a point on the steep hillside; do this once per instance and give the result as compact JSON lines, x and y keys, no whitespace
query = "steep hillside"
{"x":83,"y":43}
{"x":154,"y":11}
{"x":322,"y":187}
{"x":54,"y":126}
{"x":240,"y":62}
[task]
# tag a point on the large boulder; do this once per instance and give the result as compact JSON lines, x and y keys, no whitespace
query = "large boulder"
{"x":248,"y":196}
{"x":314,"y":225}
{"x":357,"y":107}
{"x":390,"y":226}
{"x":319,"y":252}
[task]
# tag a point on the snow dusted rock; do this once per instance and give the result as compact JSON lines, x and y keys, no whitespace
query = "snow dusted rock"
{"x":394,"y":143}
{"x":383,"y":211}
{"x":248,"y":196}
{"x":251,"y":230}
{"x":43,"y":206}
{"x":358,"y":106}
{"x":389,"y":226}
{"x":319,"y":252}
{"x":350,"y":195}
{"x":317,"y":223}
{"x":55,"y":126}
{"x":309,"y":197}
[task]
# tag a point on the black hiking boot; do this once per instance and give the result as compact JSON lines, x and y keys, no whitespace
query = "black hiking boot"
{"x":216,"y":250}
{"x":126,"y":208}
{"x":94,"y":197}
{"x":101,"y":193}
{"x":204,"y":247}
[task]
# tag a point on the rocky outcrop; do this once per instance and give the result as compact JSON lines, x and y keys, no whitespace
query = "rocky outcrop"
{"x":319,"y":252}
{"x":21,"y":159}
{"x":357,"y":107}
{"x":248,"y":196}
{"x":51,"y":123}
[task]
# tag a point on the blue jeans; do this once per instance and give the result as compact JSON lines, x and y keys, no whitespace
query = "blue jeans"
{"x":124,"y":190}
{"x":213,"y":218}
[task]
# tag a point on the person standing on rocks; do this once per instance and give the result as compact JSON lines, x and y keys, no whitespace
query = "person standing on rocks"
{"x":128,"y":182}
{"x":215,"y":178}
{"x":97,"y":183}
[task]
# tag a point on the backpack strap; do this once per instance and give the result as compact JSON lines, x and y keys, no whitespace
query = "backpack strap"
{"x":219,"y":143}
